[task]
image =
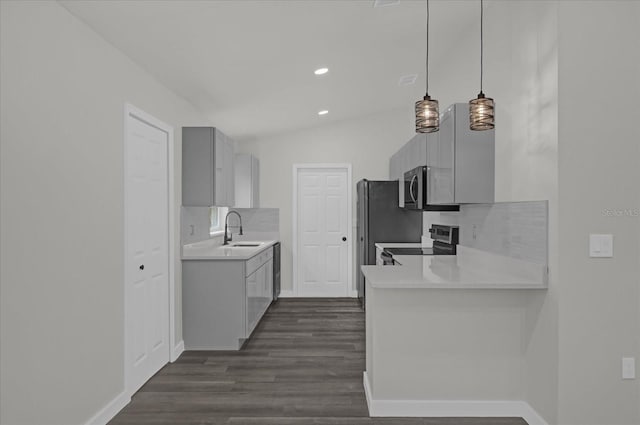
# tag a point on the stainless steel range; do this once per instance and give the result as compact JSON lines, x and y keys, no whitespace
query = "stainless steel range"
{"x":445,"y":240}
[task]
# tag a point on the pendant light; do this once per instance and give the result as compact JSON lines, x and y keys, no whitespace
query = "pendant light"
{"x":481,"y":109}
{"x":427,"y":112}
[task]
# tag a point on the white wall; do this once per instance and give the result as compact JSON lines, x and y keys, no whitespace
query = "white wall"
{"x":63,"y":93}
{"x":366,"y":143}
{"x":431,"y":344}
{"x":599,"y":170}
{"x":521,"y":65}
{"x":522,"y":75}
{"x":553,"y":68}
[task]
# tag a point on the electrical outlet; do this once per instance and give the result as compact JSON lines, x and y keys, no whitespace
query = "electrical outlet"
{"x":628,"y":368}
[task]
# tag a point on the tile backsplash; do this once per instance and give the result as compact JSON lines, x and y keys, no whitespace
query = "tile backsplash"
{"x":513,"y":229}
{"x":195,"y":224}
{"x":257,"y":223}
{"x":259,"y":219}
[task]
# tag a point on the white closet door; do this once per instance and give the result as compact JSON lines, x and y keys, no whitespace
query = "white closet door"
{"x":322,"y":232}
{"x":147,"y":257}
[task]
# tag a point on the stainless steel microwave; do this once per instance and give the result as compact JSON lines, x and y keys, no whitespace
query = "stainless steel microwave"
{"x":416,"y":191}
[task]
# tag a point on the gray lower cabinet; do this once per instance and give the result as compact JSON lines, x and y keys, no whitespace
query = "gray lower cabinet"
{"x":224,"y":300}
{"x":207,"y":168}
{"x":259,"y":283}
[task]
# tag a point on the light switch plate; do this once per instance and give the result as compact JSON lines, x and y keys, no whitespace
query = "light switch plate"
{"x":628,"y":368}
{"x":600,"y":246}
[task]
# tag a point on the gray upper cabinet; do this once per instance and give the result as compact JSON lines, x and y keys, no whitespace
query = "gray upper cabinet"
{"x":207,"y":168}
{"x":417,"y":152}
{"x":413,"y":154}
{"x":460,"y":161}
{"x":396,"y":173}
{"x":229,"y":174}
{"x":466,"y":158}
{"x":394,"y":166}
{"x":247,"y":181}
{"x":440,"y":163}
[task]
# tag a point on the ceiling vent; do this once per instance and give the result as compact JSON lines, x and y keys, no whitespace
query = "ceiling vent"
{"x":407,"y":80}
{"x":384,"y":3}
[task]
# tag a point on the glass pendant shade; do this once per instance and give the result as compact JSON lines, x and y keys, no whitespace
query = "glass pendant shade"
{"x":427,"y":115}
{"x":481,"y":113}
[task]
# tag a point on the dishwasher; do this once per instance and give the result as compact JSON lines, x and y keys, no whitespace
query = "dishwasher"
{"x":276,"y":271}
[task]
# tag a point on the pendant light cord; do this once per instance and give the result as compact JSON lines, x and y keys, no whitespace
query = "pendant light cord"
{"x":481,"y":43}
{"x":427,"y":60}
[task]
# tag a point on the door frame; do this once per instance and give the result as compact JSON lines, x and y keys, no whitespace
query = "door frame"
{"x":322,"y":166}
{"x":174,"y":352}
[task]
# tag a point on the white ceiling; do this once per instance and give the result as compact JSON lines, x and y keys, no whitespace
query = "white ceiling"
{"x":248,"y":65}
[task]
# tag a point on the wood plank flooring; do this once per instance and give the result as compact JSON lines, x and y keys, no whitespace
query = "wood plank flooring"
{"x":302,"y":366}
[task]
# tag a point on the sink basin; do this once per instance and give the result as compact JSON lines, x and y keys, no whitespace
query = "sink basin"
{"x":245,"y":245}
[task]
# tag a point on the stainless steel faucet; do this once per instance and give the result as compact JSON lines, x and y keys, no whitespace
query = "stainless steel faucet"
{"x":228,"y":237}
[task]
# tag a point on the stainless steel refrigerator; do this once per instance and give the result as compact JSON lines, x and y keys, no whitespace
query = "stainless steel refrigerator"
{"x":381,"y":220}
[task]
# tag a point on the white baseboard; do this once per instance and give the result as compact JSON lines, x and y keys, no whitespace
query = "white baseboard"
{"x":177,"y":350}
{"x":450,"y":408}
{"x":110,"y":410}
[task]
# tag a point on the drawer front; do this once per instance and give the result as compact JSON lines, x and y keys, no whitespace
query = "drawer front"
{"x":258,"y":260}
{"x":253,"y":264}
{"x":268,"y":255}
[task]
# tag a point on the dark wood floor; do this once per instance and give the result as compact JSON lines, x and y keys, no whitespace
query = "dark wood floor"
{"x":303,"y":365}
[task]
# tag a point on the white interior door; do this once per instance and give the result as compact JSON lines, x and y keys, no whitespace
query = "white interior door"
{"x":147,"y":253}
{"x":322,"y":232}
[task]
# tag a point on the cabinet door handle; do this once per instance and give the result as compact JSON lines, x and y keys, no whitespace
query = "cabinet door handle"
{"x":141,"y":266}
{"x":344,"y":239}
{"x":414,"y":179}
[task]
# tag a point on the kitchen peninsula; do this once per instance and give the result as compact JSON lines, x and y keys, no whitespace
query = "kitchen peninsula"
{"x":448,"y":334}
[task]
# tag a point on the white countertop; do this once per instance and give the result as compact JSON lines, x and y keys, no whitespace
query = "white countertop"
{"x":211,"y":249}
{"x":469,"y":269}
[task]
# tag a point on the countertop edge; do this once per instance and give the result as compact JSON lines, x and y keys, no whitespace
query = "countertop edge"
{"x":384,"y":245}
{"x":387,"y":283}
{"x":267,"y":245}
{"x":508,"y":286}
{"x":470,"y":269}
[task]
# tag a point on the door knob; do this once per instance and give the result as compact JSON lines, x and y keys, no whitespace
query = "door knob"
{"x":344,"y":239}
{"x":142,"y":267}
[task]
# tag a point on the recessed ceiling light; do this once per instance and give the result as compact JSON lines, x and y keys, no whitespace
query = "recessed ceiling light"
{"x":323,"y":112}
{"x":321,"y":71}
